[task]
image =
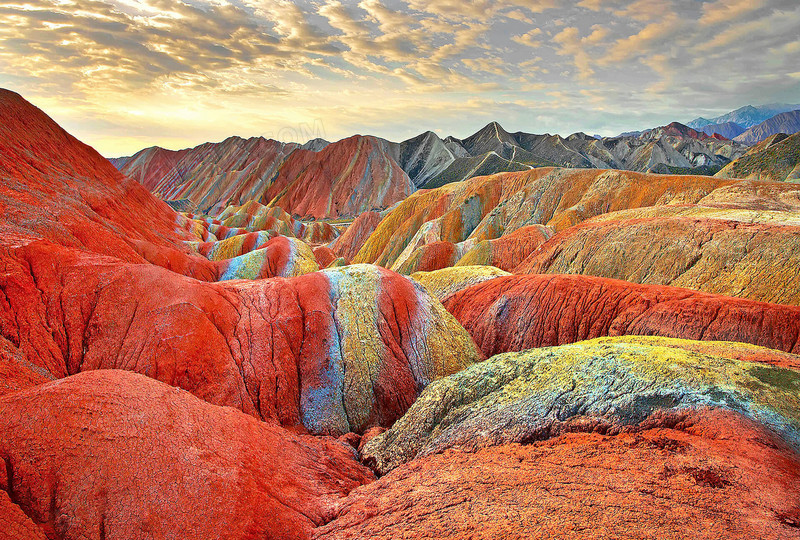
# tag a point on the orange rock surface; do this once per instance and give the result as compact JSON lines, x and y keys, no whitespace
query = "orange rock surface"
{"x":429,"y":257}
{"x":351,"y":240}
{"x":707,"y":475}
{"x":508,"y":251}
{"x":485,"y":208}
{"x":324,"y":255}
{"x":757,"y":261}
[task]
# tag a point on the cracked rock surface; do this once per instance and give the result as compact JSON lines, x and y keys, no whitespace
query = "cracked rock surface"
{"x":335,"y":351}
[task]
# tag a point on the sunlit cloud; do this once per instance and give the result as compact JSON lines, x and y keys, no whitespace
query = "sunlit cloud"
{"x":123,"y":74}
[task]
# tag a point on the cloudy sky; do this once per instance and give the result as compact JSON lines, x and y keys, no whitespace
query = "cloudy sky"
{"x":125,"y":74}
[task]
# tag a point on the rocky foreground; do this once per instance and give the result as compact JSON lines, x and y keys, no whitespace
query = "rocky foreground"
{"x":549,"y":353}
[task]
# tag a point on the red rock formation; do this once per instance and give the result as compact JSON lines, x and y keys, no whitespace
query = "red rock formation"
{"x":343,"y":179}
{"x":109,"y":452}
{"x":351,"y":240}
{"x":114,"y":455}
{"x":708,"y":475}
{"x":271,"y":348}
{"x":337,"y":351}
{"x":324,"y":255}
{"x":234,"y":246}
{"x":16,"y":372}
{"x":429,"y":257}
{"x":211,"y":175}
{"x":157,"y":169}
{"x":14,"y":524}
{"x":53,"y":186}
{"x":278,"y":257}
{"x":676,"y":129}
{"x":253,"y":217}
{"x":514,"y":313}
{"x":508,"y":251}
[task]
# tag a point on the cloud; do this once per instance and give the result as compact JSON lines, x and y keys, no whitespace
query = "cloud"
{"x":529,"y":38}
{"x":199,"y":69}
{"x":655,"y":36}
{"x":570,"y":43}
{"x":721,"y":11}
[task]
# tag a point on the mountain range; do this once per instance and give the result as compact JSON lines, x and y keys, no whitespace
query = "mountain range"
{"x":236,"y":170}
{"x":787,"y":123}
{"x":729,"y":130}
{"x":749,"y":124}
{"x":746,"y":117}
{"x":316,"y":179}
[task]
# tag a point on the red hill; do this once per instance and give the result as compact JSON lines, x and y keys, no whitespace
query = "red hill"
{"x":55,"y":187}
{"x":348,"y":177}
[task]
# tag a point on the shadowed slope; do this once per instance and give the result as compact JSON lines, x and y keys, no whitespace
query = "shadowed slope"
{"x":324,"y":255}
{"x":729,"y":130}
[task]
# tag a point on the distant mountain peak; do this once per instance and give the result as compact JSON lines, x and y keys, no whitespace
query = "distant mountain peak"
{"x":580,"y":135}
{"x":492,"y":127}
{"x":746,"y":116}
{"x":786,"y":122}
{"x":678,"y":125}
{"x":675,"y":129}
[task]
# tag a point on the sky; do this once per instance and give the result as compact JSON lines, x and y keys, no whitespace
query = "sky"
{"x":126,"y":74}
